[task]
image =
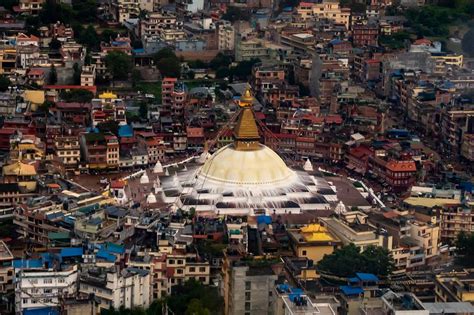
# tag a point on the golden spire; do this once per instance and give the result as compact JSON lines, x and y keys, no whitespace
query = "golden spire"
{"x":246,"y":132}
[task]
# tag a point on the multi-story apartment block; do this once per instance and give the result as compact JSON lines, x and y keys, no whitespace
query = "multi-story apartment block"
{"x":247,"y":288}
{"x":32,"y":7}
{"x":6,"y":271}
{"x":456,"y":219}
{"x":365,"y":35}
{"x":327,"y":9}
{"x":68,"y":151}
{"x":100,"y":151}
{"x":467,"y":147}
{"x":88,"y":75}
{"x":108,"y":107}
{"x":154,"y":23}
{"x":116,"y":288}
{"x":39,"y":284}
{"x":226,"y":36}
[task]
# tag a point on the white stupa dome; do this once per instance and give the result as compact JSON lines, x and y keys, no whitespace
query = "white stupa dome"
{"x":144,"y":179}
{"x":262,"y":166}
{"x":308,"y":166}
{"x":151,"y":198}
{"x":158,"y":168}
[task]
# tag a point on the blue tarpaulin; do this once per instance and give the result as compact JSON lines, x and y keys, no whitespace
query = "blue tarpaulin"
{"x":27,"y":263}
{"x":71,"y":251}
{"x":367,"y":277}
{"x":41,"y":311}
{"x":349,"y":290}
{"x":264,"y":219}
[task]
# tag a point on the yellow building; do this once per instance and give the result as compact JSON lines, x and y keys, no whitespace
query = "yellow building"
{"x":34,"y":97}
{"x":21,"y":173}
{"x":313,"y":242}
{"x":449,"y":59}
{"x":455,"y":287}
{"x":327,"y":9}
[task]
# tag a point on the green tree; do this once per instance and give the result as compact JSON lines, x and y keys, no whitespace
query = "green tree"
{"x":183,"y":294}
{"x":118,"y":64}
{"x":169,"y":67}
{"x":348,"y":260}
{"x":143,"y":110}
{"x":45,"y":106}
{"x":111,"y":126}
{"x":136,"y":77}
{"x":53,"y":75}
{"x":86,"y":10}
{"x":465,"y":249}
{"x":4,"y":83}
{"x":195,"y":307}
{"x":468,"y":42}
{"x":236,"y":14}
{"x":164,"y":53}
{"x":107,"y":35}
{"x":88,"y":37}
{"x":244,"y":68}
{"x":55,"y":44}
{"x":220,"y":61}
{"x":77,"y":95}
{"x":76,"y":75}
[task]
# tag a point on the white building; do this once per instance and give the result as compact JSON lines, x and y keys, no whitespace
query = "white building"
{"x":129,"y":287}
{"x":37,"y":286}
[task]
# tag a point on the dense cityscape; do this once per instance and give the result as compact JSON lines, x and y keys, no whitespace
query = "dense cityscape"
{"x":237,"y":157}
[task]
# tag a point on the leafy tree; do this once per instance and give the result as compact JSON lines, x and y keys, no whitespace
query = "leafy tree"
{"x":86,"y":10}
{"x":195,"y":307}
{"x":9,"y":4}
{"x":108,"y":35}
{"x":55,"y":44}
{"x":236,"y":14}
{"x":465,"y":249}
{"x":76,"y":75}
{"x":244,"y":68}
{"x":169,"y":67}
{"x":220,"y":61}
{"x":197,"y":64}
{"x":53,"y":75}
{"x":468,"y":42}
{"x":395,"y":41}
{"x":164,"y":53}
{"x":45,"y":106}
{"x":77,"y":95}
{"x":348,"y":260}
{"x":53,"y":12}
{"x":136,"y":77}
{"x":143,"y":110}
{"x":88,"y":37}
{"x":109,"y":126}
{"x":4,"y":83}
{"x":119,"y":64}
{"x":183,"y":294}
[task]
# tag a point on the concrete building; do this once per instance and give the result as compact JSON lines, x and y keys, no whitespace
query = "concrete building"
{"x":88,"y":75}
{"x":116,"y":288}
{"x":39,"y":284}
{"x":353,"y":227}
{"x":326,"y":9}
{"x":226,"y":36}
{"x":248,"y":288}
{"x":293,"y":301}
{"x":313,"y":242}
{"x":6,"y":273}
{"x":68,"y":151}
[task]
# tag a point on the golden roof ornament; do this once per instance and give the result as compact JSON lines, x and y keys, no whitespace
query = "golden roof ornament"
{"x":246,"y":100}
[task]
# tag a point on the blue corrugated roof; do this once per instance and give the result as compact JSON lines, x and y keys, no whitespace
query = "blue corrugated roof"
{"x":115,"y":248}
{"x":264,"y":219}
{"x":368,"y":277}
{"x":41,"y":311}
{"x":27,"y":263}
{"x":349,"y":290}
{"x":71,"y":251}
{"x":353,"y":280}
{"x":125,"y":131}
{"x":106,"y":255}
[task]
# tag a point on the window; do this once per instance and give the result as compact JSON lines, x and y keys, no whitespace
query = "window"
{"x":48,"y":281}
{"x":202,"y":269}
{"x":202,"y":279}
{"x":25,"y":301}
{"x":247,"y":296}
{"x":303,"y":253}
{"x":192,"y":269}
{"x":171,"y":262}
{"x":247,"y":306}
{"x":179,"y":271}
{"x":248,"y":284}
